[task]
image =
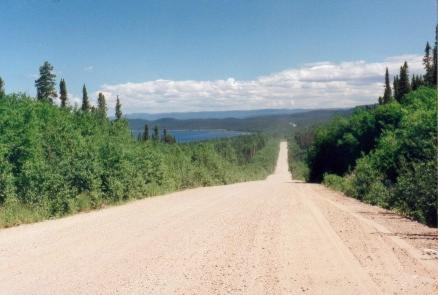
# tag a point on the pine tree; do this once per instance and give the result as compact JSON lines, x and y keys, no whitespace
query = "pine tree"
{"x":63,"y":93}
{"x":146,"y":132}
{"x":428,"y":66}
{"x":156,"y":135}
{"x":118,"y":109}
{"x":2,"y":87}
{"x":403,"y":86}
{"x":387,"y":95}
{"x":396,"y":88}
{"x":45,"y":84}
{"x":101,"y":105}
{"x":85,"y":101}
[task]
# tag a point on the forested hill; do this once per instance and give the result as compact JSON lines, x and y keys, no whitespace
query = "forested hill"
{"x":239,"y":114}
{"x":277,"y":123}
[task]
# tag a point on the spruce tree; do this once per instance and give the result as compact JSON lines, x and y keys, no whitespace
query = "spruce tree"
{"x":387,"y":93}
{"x":45,"y":84}
{"x":428,"y":65}
{"x":156,"y":135}
{"x":396,"y":87}
{"x":2,"y":87}
{"x":118,"y":109}
{"x":85,"y":101}
{"x":435,"y":59}
{"x":101,"y":105}
{"x":146,"y":132}
{"x":403,"y":86}
{"x":63,"y":93}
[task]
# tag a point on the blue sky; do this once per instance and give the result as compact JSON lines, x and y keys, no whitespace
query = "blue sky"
{"x":174,"y":55}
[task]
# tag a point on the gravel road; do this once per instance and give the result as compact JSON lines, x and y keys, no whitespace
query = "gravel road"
{"x":275,"y":236}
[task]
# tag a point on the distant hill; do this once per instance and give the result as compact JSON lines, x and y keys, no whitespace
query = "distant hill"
{"x":270,"y":123}
{"x":238,"y":114}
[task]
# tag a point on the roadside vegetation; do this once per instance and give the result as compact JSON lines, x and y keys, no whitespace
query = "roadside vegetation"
{"x":57,"y":160}
{"x":385,"y":154}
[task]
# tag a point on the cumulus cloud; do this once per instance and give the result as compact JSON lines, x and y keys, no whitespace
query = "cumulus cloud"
{"x":315,"y":85}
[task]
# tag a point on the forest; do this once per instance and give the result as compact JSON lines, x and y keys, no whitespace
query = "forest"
{"x":57,"y":160}
{"x":383,"y":154}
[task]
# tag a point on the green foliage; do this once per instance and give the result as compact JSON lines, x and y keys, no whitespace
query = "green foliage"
{"x":339,"y":183}
{"x":2,"y":87}
{"x":296,"y":156}
{"x":403,"y":84}
{"x":55,"y":161}
{"x":385,"y":155}
{"x":387,"y":95}
{"x":85,"y":101}
{"x":102,"y":108}
{"x":118,"y":111}
{"x":45,"y":84}
{"x":63,"y":93}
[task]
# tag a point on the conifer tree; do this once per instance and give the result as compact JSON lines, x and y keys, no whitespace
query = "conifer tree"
{"x":156,"y":135}
{"x":146,"y":132}
{"x":118,"y":109}
{"x":164,"y":134}
{"x":396,"y":87}
{"x":403,"y":85}
{"x":387,"y":95}
{"x":435,"y":59}
{"x":2,"y":87}
{"x":428,"y":65}
{"x":85,"y":101}
{"x":45,"y":84}
{"x":63,"y":93}
{"x":101,"y":105}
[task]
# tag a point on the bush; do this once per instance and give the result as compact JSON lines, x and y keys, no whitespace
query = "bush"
{"x":59,"y":161}
{"x":387,"y":155}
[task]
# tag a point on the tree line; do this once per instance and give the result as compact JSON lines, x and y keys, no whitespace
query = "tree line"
{"x":401,"y":84}
{"x":46,"y":92}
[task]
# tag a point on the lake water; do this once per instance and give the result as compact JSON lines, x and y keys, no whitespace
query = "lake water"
{"x":199,"y":135}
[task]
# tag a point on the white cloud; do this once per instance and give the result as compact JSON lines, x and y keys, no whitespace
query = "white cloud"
{"x":316,"y":85}
{"x":88,"y":68}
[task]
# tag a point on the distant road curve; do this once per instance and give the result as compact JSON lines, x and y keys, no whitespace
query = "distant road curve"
{"x":275,"y":236}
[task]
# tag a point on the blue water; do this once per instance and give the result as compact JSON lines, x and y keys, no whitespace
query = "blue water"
{"x":200,"y":135}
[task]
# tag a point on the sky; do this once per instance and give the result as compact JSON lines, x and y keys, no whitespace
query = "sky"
{"x":187,"y":55}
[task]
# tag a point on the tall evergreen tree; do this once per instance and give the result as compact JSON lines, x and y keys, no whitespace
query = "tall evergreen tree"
{"x":435,"y":59}
{"x":101,"y":105}
{"x":164,"y":134}
{"x":387,"y":95}
{"x":2,"y":87}
{"x":63,"y":93}
{"x":118,"y":109}
{"x":146,"y":132}
{"x":85,"y":101}
{"x":396,"y":87}
{"x":428,"y":65}
{"x":403,"y":86}
{"x":45,"y":84}
{"x":156,"y":135}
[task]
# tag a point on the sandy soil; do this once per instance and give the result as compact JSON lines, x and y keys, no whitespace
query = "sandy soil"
{"x":275,"y":236}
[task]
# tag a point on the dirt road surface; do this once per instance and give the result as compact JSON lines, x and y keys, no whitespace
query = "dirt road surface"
{"x":275,"y":236}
